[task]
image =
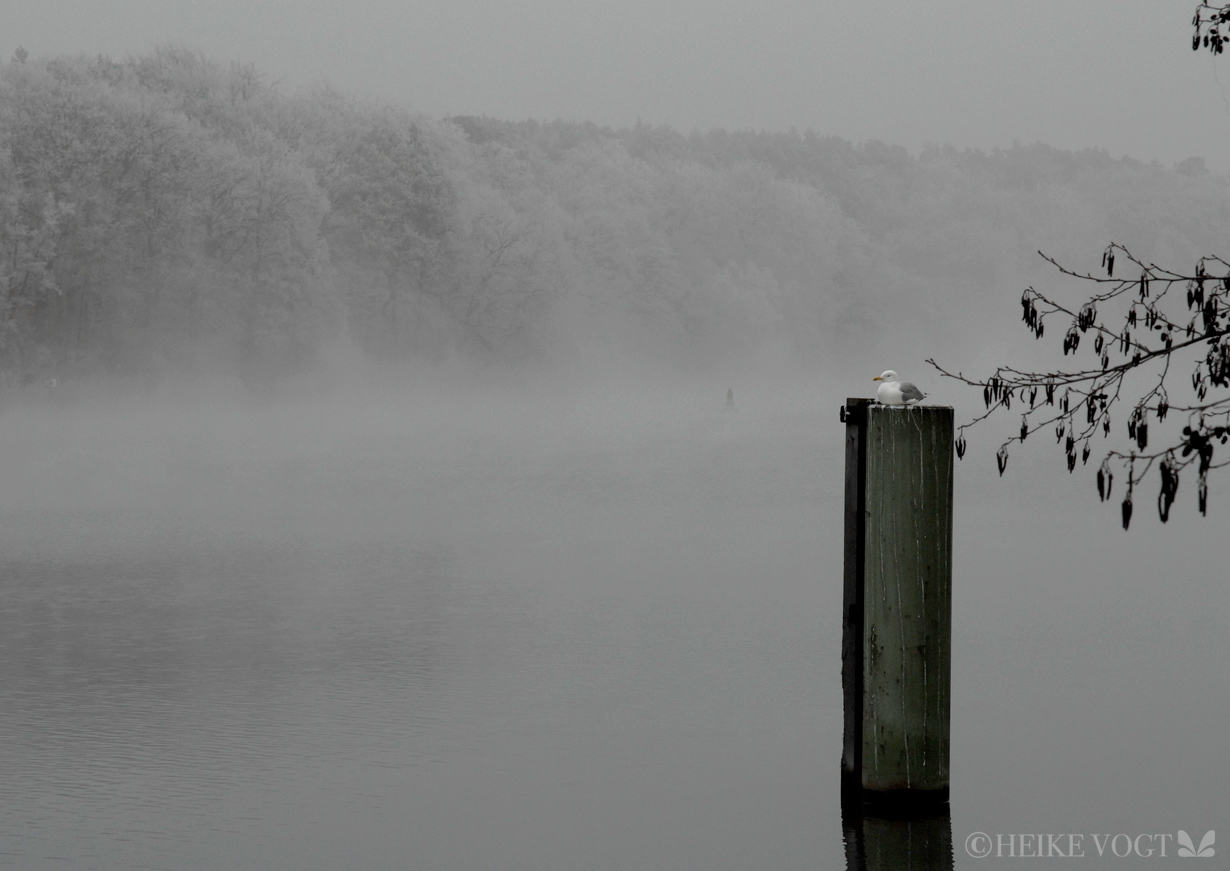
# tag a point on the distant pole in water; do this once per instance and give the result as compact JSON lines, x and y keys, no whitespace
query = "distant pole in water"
{"x":730,"y":399}
{"x":896,"y":647}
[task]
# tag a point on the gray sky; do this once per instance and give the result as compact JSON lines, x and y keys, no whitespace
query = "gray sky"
{"x":1114,"y":74}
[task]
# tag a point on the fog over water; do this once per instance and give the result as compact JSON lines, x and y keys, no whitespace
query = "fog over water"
{"x":459,"y":627}
{"x":370,"y":494}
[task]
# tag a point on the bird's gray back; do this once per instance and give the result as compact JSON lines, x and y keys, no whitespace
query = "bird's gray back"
{"x":909,"y":391}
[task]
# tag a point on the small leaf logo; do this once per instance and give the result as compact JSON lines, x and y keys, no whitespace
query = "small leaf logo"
{"x":1204,"y":851}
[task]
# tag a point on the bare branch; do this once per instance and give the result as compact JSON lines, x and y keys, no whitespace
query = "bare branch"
{"x":1141,"y":301}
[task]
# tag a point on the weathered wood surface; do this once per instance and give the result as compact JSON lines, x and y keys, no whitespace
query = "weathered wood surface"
{"x":907,"y":600}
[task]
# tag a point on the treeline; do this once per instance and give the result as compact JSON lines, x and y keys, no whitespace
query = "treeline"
{"x":167,"y":213}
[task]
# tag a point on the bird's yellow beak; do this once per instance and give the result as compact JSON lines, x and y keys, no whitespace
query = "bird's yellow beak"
{"x":877,"y":378}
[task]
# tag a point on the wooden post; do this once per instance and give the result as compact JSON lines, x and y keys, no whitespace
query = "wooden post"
{"x":897,"y":633}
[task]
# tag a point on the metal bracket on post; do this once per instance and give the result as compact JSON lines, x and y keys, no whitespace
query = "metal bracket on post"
{"x":854,"y":416}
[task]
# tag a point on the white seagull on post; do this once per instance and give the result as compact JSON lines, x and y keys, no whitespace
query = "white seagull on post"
{"x":894,"y":392}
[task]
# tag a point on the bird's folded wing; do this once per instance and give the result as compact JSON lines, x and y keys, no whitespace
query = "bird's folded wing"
{"x":909,"y":391}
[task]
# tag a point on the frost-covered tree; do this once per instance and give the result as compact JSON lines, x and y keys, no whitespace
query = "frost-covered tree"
{"x":167,"y":209}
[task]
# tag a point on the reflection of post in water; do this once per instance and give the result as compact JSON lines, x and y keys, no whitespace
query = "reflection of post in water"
{"x":882,"y":840}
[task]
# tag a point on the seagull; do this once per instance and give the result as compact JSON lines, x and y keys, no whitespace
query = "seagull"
{"x":894,"y":392}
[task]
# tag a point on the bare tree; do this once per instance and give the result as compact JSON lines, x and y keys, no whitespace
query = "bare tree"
{"x":1156,"y":338}
{"x":1207,"y":24}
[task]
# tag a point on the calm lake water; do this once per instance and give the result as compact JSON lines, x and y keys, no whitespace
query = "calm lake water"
{"x":473,"y":632}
